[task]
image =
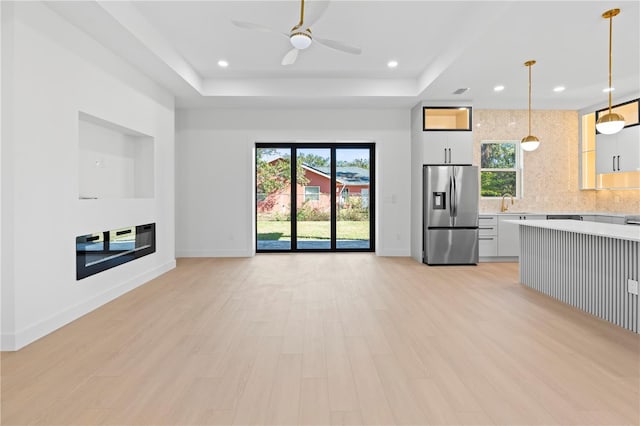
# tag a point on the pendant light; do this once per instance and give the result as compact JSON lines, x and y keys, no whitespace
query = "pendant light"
{"x":530,"y":142}
{"x":610,"y":122}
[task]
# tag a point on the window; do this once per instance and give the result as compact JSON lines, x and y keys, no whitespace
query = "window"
{"x":500,"y":168}
{"x":311,"y":193}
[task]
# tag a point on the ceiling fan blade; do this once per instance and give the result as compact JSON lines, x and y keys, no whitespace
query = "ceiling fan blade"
{"x":337,"y":45}
{"x":251,"y":26}
{"x":315,"y":11}
{"x":256,"y":27}
{"x":290,"y":57}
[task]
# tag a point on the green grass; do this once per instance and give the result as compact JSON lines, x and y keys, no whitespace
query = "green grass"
{"x":316,"y":230}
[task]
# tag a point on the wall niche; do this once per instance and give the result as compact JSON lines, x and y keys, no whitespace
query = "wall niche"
{"x":113,"y":161}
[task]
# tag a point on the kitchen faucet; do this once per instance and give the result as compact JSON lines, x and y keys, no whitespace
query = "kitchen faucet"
{"x":503,"y":207}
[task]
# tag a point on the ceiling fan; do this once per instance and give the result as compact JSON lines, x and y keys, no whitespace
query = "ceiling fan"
{"x":300,"y":35}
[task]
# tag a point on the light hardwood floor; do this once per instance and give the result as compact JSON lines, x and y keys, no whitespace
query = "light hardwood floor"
{"x":328,"y":339}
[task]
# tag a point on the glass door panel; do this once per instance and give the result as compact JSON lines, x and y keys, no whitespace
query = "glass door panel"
{"x":353,"y":227}
{"x":273,"y":198}
{"x":313,"y":198}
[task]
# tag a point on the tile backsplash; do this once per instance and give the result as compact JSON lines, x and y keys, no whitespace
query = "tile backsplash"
{"x":622,"y":201}
{"x":550,"y":173}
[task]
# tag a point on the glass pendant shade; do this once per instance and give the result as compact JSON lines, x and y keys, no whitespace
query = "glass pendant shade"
{"x":530,"y":143}
{"x":300,"y":40}
{"x":610,"y":123}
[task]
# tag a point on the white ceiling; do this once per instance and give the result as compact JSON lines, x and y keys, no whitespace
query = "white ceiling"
{"x":440,"y":46}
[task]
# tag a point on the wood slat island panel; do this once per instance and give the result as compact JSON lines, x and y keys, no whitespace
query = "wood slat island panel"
{"x":583,"y":266}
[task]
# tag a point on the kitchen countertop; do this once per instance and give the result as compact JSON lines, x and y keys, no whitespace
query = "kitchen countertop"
{"x":610,"y":230}
{"x":582,"y":213}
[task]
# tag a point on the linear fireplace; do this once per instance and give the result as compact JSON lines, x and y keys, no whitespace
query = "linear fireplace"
{"x":104,"y":250}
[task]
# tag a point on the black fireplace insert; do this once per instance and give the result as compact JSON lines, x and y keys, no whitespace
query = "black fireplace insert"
{"x":104,"y":250}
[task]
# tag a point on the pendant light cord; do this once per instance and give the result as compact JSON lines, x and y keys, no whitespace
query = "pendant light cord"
{"x":530,"y":98}
{"x":610,"y":57}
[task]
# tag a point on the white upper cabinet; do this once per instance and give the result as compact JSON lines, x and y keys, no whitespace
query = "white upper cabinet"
{"x":619,"y":152}
{"x":448,"y":147}
{"x":606,"y":151}
{"x":629,"y":149}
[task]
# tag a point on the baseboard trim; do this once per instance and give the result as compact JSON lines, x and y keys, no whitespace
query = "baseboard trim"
{"x":214,"y":253}
{"x":40,"y":329}
{"x":394,"y":252}
{"x":503,"y":259}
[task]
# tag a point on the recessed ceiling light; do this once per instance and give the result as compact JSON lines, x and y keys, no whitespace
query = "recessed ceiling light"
{"x":559,"y":89}
{"x":222,"y":63}
{"x":498,"y":88}
{"x":392,"y":64}
{"x":608,"y":89}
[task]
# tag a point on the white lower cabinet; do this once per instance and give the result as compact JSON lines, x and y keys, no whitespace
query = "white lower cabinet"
{"x":508,"y":233}
{"x":497,"y":237}
{"x":488,"y":236}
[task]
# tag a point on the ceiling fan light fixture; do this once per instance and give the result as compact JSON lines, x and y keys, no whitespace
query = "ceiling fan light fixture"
{"x":300,"y":40}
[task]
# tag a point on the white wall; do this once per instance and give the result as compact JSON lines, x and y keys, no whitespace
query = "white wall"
{"x":417,"y":156}
{"x":215,"y":171}
{"x":55,"y":71}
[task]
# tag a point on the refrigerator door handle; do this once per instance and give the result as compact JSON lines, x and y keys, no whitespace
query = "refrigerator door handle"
{"x":455,"y":197}
{"x":451,"y":196}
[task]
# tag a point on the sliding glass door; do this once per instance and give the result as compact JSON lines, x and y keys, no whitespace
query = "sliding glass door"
{"x":353,"y":216}
{"x":273,"y":198}
{"x":314,"y":197}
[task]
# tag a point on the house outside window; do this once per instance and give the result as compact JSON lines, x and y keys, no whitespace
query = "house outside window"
{"x":311,"y":193}
{"x":364,"y":192}
{"x":500,"y":168}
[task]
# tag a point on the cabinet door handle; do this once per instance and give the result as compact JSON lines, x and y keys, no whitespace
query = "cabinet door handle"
{"x":450,"y":156}
{"x":618,"y":163}
{"x":614,"y":163}
{"x":491,"y":227}
{"x":445,"y":156}
{"x":485,"y":238}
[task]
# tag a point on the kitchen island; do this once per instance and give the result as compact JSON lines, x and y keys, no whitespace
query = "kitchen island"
{"x":591,"y":266}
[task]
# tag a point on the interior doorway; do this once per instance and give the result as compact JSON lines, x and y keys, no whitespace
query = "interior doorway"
{"x":315,"y":197}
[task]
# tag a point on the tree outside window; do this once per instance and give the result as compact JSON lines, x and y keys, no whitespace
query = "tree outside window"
{"x":500,"y":167}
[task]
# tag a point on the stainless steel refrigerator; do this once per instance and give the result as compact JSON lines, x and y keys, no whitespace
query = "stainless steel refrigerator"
{"x":450,"y":215}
